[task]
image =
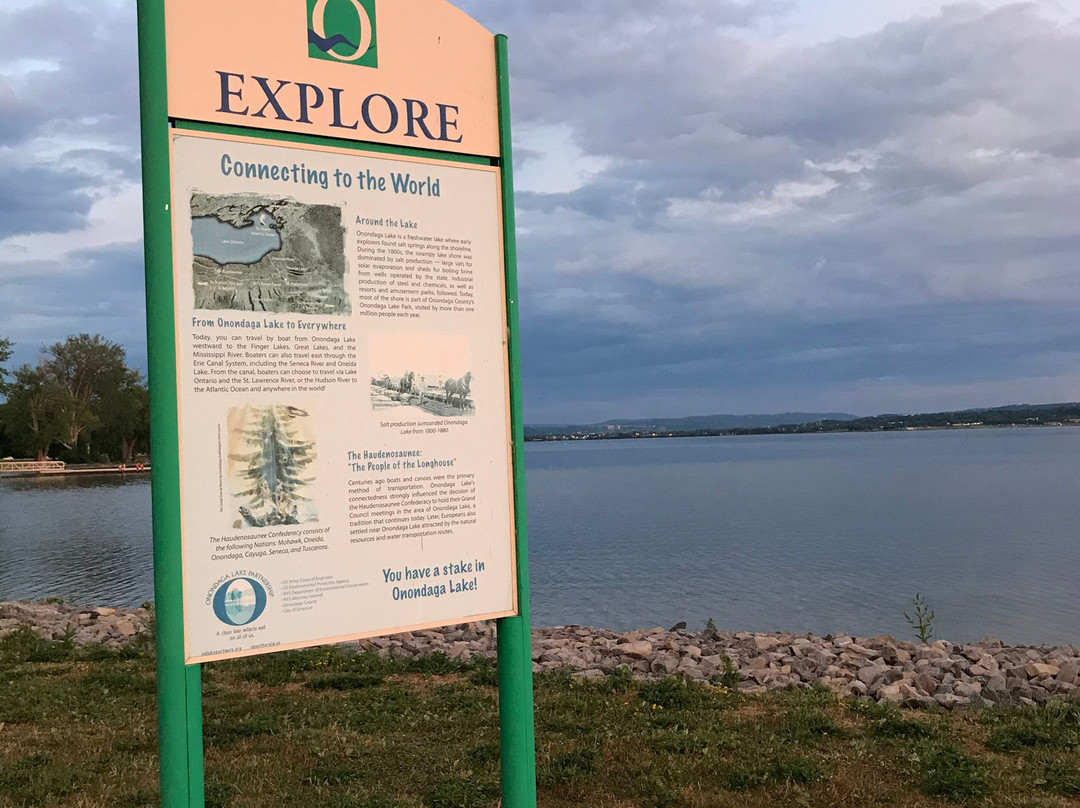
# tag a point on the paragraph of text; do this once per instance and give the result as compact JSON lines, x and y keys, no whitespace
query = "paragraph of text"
{"x":268,"y":363}
{"x":405,"y":275}
{"x":410,"y":506}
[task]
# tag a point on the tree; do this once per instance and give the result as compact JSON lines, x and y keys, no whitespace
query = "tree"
{"x":80,"y":386}
{"x":7,"y":444}
{"x":125,"y":416}
{"x":31,"y":412}
{"x":5,"y":355}
{"x":96,"y":382}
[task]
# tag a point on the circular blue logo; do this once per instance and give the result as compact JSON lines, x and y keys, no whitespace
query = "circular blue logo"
{"x":239,"y":601}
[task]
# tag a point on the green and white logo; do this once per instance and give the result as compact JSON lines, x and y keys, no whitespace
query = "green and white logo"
{"x":342,"y":31}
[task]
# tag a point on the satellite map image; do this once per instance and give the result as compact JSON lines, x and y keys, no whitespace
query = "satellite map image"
{"x":254,"y":253}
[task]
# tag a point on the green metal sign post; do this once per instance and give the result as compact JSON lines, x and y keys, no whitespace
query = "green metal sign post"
{"x":179,"y":685}
{"x":515,"y":637}
{"x":179,"y":681}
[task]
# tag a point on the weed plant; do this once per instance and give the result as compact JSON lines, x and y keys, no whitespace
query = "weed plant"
{"x":923,"y":619}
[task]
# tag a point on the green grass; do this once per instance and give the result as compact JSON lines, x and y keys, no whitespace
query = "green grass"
{"x":331,"y":728}
{"x":1057,"y":776}
{"x":944,"y":771}
{"x":1054,"y":726}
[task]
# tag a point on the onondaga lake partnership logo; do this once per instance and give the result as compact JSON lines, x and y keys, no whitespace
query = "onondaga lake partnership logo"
{"x":342,"y":31}
{"x":239,"y":601}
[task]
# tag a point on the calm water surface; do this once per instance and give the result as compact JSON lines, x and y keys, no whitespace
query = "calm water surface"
{"x":812,"y":532}
{"x":806,"y":533}
{"x":86,"y":539}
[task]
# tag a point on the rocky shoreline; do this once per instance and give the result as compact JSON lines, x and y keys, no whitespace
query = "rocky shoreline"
{"x":881,"y":668}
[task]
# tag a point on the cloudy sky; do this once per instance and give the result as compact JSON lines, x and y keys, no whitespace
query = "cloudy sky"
{"x":723,"y":205}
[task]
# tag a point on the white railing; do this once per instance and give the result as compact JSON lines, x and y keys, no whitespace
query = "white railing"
{"x":31,"y":465}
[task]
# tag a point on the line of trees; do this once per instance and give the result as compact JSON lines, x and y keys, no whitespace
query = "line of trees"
{"x":80,"y":403}
{"x":1011,"y":415}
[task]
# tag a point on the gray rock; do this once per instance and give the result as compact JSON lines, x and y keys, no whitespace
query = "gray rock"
{"x":891,"y":693}
{"x":995,"y":684}
{"x":125,"y":627}
{"x":1018,"y":688}
{"x":1069,"y":673}
{"x":871,"y":673}
{"x":460,"y":650}
{"x":924,"y":683}
{"x":764,"y":643}
{"x":639,"y":649}
{"x":968,"y":689}
{"x":950,"y":701}
{"x":1040,"y":670}
{"x":861,"y":650}
{"x":590,"y":673}
{"x":664,"y":664}
{"x":895,"y":656}
{"x":879,"y":667}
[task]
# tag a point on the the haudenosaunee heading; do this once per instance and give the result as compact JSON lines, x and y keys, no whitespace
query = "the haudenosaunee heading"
{"x":300,"y":102}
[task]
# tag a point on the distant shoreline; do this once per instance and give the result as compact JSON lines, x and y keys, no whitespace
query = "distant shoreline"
{"x":793,"y":429}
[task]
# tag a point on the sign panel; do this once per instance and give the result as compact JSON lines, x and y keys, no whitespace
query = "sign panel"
{"x":413,"y":73}
{"x":343,"y":394}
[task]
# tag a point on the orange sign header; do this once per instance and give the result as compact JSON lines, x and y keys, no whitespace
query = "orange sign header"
{"x":414,"y":73}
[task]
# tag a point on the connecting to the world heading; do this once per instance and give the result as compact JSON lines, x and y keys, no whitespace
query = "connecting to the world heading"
{"x":299,"y":173}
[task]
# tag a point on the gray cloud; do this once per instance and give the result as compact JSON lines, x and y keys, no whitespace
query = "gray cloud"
{"x":42,"y":200}
{"x":891,"y":211}
{"x":101,"y":292}
{"x":79,"y":68}
{"x":906,"y":148}
{"x":884,"y":221}
{"x":68,"y":111}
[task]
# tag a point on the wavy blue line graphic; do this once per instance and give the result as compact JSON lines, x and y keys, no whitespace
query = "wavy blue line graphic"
{"x":326,"y":43}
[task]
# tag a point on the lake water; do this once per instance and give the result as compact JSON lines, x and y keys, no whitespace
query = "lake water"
{"x":86,"y":539}
{"x":822,"y":533}
{"x":226,"y":244}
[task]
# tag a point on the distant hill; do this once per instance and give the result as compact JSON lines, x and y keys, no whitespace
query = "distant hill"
{"x":1008,"y":415}
{"x":789,"y":423}
{"x":691,"y":423}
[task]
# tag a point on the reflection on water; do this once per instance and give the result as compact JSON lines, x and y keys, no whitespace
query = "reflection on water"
{"x":86,"y":539}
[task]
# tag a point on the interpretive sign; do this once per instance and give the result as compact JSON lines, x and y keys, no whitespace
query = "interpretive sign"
{"x":343,"y":394}
{"x":333,"y":348}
